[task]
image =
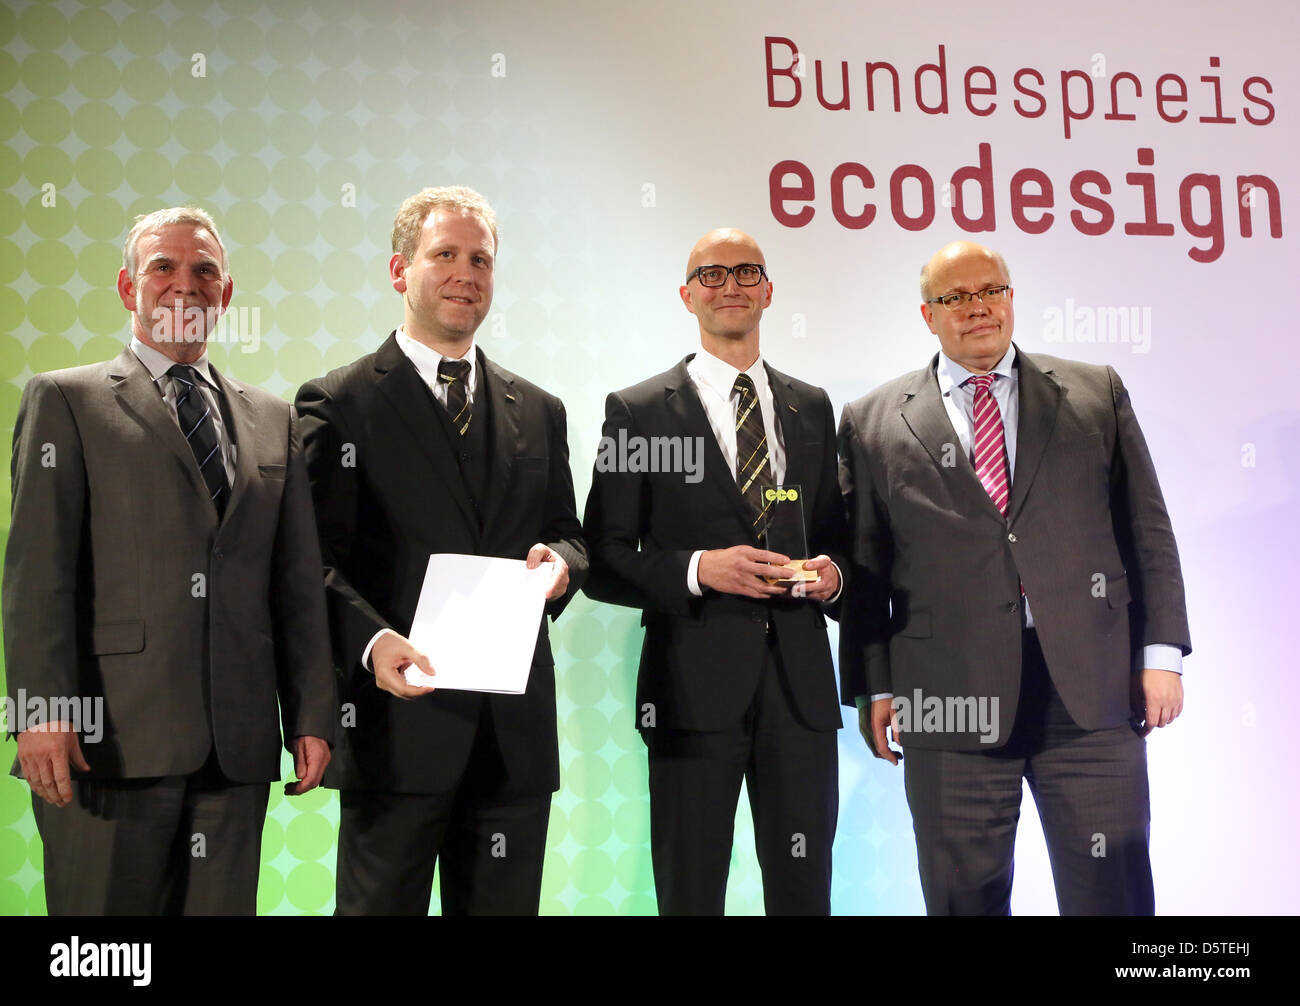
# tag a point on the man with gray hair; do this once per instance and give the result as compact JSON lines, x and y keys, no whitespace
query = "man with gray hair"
{"x":427,"y":446}
{"x":162,"y":570}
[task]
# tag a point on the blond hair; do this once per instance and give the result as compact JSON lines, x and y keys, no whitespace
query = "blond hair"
{"x":416,"y":209}
{"x":149,"y":222}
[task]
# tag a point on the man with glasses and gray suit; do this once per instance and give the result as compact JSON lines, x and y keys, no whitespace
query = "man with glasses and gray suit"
{"x":1015,"y":607}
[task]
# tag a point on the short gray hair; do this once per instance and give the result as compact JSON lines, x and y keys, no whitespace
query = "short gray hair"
{"x":412,"y":214}
{"x":158,"y":219}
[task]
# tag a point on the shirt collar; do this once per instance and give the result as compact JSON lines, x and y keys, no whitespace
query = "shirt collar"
{"x":426,"y":360}
{"x":952,"y":374}
{"x":157,"y":364}
{"x":720,"y":376}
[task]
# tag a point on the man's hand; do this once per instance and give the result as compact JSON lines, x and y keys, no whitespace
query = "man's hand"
{"x":44,"y":751}
{"x":738,"y":570}
{"x":539,"y":554}
{"x":389,"y":657}
{"x":1157,"y":698}
{"x":872,"y":721}
{"x":828,"y":579}
{"x":310,"y":756}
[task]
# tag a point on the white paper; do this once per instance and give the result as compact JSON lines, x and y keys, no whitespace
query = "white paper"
{"x":477,"y":622}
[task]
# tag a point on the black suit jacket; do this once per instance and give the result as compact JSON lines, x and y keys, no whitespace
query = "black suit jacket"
{"x":701,"y":656}
{"x":1086,"y":532}
{"x":388,"y":493}
{"x":121,"y":583}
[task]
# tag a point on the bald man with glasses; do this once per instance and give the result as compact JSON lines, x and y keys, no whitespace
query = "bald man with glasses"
{"x":736,"y":681}
{"x":1015,"y":607}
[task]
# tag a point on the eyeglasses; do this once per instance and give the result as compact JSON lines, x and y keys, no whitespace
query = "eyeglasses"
{"x":952,"y":301}
{"x":747,"y":274}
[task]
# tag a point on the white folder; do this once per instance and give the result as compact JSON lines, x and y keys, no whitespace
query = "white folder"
{"x":477,"y":622}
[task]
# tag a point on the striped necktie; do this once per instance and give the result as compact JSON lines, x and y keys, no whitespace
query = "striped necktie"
{"x":753,"y":475}
{"x":454,"y":374}
{"x":990,"y":443}
{"x":195,"y":418}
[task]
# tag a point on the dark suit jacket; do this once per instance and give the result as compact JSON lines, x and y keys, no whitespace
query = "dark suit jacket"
{"x":388,"y":493}
{"x":121,"y":583}
{"x":1086,"y":532}
{"x":701,"y":657}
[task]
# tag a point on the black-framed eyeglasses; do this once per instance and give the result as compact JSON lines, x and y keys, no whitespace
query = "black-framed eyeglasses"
{"x":747,"y":274}
{"x":990,"y":295}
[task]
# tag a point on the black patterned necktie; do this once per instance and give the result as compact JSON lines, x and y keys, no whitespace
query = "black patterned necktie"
{"x":454,"y":374}
{"x":753,"y":476}
{"x":195,"y":417}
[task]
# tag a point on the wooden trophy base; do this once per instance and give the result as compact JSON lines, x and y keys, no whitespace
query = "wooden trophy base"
{"x":797,"y":574}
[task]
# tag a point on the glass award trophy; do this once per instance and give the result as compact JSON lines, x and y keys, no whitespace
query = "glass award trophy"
{"x":785,"y":533}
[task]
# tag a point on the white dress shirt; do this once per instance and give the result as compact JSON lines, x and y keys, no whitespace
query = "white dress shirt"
{"x":426,"y":362}
{"x":157,"y":364}
{"x":714,"y":380}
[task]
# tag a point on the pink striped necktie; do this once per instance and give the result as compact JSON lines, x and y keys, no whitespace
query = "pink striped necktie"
{"x":990,"y":445}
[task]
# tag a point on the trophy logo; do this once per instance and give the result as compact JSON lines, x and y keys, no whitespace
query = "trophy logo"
{"x":786,"y":532}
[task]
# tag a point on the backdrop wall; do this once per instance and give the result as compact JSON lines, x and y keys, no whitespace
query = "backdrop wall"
{"x":1135,"y":164}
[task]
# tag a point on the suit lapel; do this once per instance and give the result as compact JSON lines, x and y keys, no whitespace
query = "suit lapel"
{"x":924,"y":413}
{"x":687,"y":411}
{"x":139,"y":396}
{"x":410,"y":398}
{"x":800,"y":469}
{"x":503,"y":400}
{"x":1040,"y":403}
{"x":244,"y":424}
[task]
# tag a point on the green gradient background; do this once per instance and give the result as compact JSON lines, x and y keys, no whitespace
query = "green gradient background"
{"x":100,"y":101}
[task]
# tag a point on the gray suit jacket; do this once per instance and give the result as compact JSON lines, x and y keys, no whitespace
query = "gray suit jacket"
{"x":120,"y":582}
{"x":934,"y":599}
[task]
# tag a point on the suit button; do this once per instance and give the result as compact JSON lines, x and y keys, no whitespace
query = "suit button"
{"x":1012,"y":606}
{"x":464,"y":457}
{"x":758,"y":616}
{"x":217,"y":553}
{"x":1011,"y":538}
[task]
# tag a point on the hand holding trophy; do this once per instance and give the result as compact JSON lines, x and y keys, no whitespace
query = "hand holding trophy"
{"x":786,"y":534}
